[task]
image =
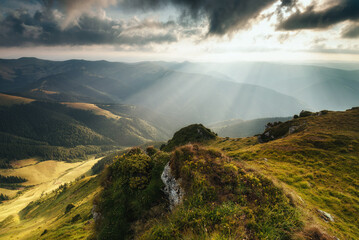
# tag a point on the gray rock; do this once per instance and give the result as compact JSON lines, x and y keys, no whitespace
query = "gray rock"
{"x":172,"y":187}
{"x":292,"y":129}
{"x":325,"y":216}
{"x":96,"y":213}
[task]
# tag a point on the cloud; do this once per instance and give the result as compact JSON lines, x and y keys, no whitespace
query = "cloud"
{"x":344,"y":10}
{"x":224,"y":16}
{"x":21,"y":28}
{"x":74,"y":9}
{"x":351,"y":32}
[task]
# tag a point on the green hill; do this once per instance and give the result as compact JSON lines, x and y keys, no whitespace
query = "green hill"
{"x":299,"y":183}
{"x":315,"y":159}
{"x":194,"y":133}
{"x":177,"y":95}
{"x":239,"y":128}
{"x":52,"y":130}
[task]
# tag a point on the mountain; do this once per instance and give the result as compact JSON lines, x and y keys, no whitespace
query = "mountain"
{"x":186,"y":97}
{"x":38,"y":128}
{"x":316,"y":86}
{"x":238,"y":128}
{"x":299,"y":184}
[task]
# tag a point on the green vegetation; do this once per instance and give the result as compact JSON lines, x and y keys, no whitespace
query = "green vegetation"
{"x":107,"y":160}
{"x":317,"y":164}
{"x":44,"y":152}
{"x":11,"y":179}
{"x":194,"y":133}
{"x":69,"y":207}
{"x":223,"y":201}
{"x":54,"y":131}
{"x":132,"y":185}
{"x":47,"y":218}
{"x":3,"y":198}
{"x":239,"y":129}
{"x":233,"y":188}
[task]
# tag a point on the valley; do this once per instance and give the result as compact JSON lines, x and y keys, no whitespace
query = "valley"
{"x":258,"y":167}
{"x":179,"y":120}
{"x":43,"y":178}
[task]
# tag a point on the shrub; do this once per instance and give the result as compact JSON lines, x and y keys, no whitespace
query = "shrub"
{"x":69,"y":207}
{"x":132,"y":185}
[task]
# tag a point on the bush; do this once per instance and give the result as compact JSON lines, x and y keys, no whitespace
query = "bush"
{"x":304,"y":113}
{"x":194,"y":133}
{"x":69,"y":207}
{"x":132,"y":185}
{"x":223,"y":200}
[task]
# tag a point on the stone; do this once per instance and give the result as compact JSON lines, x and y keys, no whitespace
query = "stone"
{"x":172,"y":187}
{"x":325,"y":216}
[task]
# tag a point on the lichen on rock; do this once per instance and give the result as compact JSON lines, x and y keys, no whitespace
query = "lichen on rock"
{"x":172,"y":187}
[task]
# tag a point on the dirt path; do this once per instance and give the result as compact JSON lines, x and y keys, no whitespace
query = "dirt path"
{"x":47,"y":176}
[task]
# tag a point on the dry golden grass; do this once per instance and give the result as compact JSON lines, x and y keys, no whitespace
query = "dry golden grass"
{"x":48,"y":213}
{"x":8,"y":192}
{"x":93,"y":108}
{"x":46,"y":176}
{"x":8,"y":100}
{"x":24,"y":162}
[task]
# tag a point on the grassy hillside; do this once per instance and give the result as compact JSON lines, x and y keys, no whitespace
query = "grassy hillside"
{"x":65,"y":131}
{"x":317,"y":164}
{"x":144,"y":84}
{"x":64,"y":213}
{"x":309,"y":166}
{"x":222,"y":200}
{"x":240,"y":128}
{"x":298,"y":180}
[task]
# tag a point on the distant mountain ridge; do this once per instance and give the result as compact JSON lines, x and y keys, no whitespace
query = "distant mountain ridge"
{"x":239,"y":128}
{"x":49,"y":129}
{"x":185,"y":96}
{"x":318,"y":87}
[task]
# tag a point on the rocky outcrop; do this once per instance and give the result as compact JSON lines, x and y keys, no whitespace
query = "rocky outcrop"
{"x":172,"y":187}
{"x":325,"y":216}
{"x":96,"y":213}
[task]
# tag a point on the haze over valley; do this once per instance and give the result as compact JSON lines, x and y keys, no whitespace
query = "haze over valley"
{"x":179,"y":120}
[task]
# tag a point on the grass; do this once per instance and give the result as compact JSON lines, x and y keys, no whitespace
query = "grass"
{"x":194,"y":133}
{"x":132,"y":185}
{"x":23,"y":196}
{"x":223,"y":201}
{"x":234,"y":189}
{"x":47,"y":218}
{"x":319,"y":164}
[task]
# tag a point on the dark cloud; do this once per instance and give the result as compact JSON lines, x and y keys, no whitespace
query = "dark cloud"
{"x":224,"y":16}
{"x":311,"y":19}
{"x":351,"y":32}
{"x":20,"y":28}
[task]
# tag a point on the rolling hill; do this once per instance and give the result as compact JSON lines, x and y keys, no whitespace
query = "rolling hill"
{"x":238,"y":128}
{"x":230,"y":188}
{"x":318,"y":87}
{"x":174,"y":94}
{"x":66,"y":130}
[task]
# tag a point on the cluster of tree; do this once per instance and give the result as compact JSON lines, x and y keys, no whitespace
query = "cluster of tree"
{"x":54,"y":131}
{"x":100,"y":165}
{"x":48,"y":123}
{"x":272,"y":124}
{"x":20,"y":151}
{"x":3,"y":197}
{"x":12,"y":179}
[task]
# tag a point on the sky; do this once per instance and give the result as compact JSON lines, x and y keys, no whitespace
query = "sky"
{"x":181,"y":30}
